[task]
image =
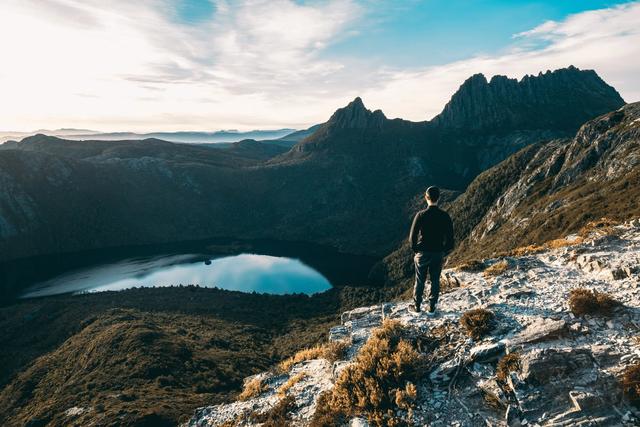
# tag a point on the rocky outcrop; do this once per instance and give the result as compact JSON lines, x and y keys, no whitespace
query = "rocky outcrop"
{"x":535,"y":102}
{"x":568,"y":367}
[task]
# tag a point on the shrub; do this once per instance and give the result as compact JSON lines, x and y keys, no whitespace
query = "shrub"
{"x":507,"y":364}
{"x":377,"y":384}
{"x":325,"y":415}
{"x":497,"y":268}
{"x":477,"y":323}
{"x":584,"y":301}
{"x":291,"y":382}
{"x":631,"y":383}
{"x":331,"y":351}
{"x":253,"y":388}
{"x":279,"y":415}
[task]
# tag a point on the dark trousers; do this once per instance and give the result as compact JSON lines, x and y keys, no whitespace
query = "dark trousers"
{"x":431,"y":263}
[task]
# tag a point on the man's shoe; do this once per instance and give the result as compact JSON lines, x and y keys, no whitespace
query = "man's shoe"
{"x":432,"y":313}
{"x":414,"y":308}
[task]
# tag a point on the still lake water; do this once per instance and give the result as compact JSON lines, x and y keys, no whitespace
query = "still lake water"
{"x":244,"y":272}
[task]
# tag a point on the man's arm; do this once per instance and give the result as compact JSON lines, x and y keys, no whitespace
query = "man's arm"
{"x":413,"y":234}
{"x":448,"y":235}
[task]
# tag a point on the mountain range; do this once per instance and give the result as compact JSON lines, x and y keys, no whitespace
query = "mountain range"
{"x":181,"y":136}
{"x":353,"y":178}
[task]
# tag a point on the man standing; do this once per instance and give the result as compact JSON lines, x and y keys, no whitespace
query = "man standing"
{"x":431,"y":239}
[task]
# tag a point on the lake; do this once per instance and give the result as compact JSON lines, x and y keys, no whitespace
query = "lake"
{"x":244,"y":272}
{"x":263,"y":266}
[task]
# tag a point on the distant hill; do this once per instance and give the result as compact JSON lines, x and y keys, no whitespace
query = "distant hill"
{"x":187,"y":137}
{"x":349,"y":184}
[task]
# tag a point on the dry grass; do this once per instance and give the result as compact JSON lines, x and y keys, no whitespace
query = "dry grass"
{"x":331,"y":351}
{"x":507,"y":364}
{"x":631,"y":383}
{"x":584,"y":301}
{"x":526,"y":250}
{"x":473,"y":266}
{"x":252,"y":389}
{"x":477,"y":323}
{"x":282,"y":391}
{"x":496,"y":269}
{"x":602,"y":227}
{"x":377,"y":384}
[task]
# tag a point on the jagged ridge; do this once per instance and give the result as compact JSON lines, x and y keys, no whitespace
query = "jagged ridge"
{"x":562,"y":99}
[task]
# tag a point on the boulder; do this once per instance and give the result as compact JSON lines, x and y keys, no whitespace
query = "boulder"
{"x":541,"y":329}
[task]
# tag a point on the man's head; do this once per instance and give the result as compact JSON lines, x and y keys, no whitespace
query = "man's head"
{"x":432,"y":195}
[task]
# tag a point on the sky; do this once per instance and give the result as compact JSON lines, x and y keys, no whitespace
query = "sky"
{"x":167,"y":65}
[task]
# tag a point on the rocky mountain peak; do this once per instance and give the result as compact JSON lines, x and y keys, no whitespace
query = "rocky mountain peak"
{"x":356,"y":116}
{"x":562,"y":99}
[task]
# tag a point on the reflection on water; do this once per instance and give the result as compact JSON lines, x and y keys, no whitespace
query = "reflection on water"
{"x":245,"y":272}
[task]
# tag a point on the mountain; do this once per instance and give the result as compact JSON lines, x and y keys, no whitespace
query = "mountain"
{"x":557,"y":187}
{"x":543,"y":192}
{"x":555,"y":100}
{"x":349,"y":185}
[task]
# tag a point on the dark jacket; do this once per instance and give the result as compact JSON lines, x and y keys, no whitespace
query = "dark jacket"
{"x":432,"y":231}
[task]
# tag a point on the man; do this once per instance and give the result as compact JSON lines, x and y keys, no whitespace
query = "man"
{"x":431,"y":239}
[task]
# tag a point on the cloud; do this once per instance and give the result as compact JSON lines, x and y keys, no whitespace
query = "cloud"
{"x":123,"y":65}
{"x":240,"y":68}
{"x":606,"y":40}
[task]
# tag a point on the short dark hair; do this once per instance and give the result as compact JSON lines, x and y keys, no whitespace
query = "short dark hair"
{"x":433,"y":193}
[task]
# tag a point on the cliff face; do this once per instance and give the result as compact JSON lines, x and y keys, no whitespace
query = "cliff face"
{"x":563,"y":367}
{"x":562,"y":99}
{"x":558,"y":187}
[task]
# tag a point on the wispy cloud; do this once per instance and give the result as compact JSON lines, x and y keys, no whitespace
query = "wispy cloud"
{"x":253,"y":63}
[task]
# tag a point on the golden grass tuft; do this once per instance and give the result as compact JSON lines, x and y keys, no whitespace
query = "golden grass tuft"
{"x":332,"y":351}
{"x":377,"y":384}
{"x":253,"y":388}
{"x":507,"y":364}
{"x":584,"y":301}
{"x":291,"y":382}
{"x":631,"y":383}
{"x":473,"y":266}
{"x":477,"y":322}
{"x":496,"y":269}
